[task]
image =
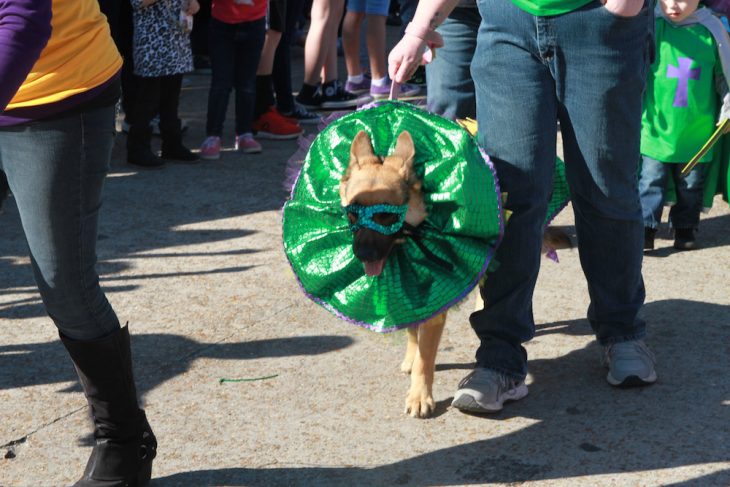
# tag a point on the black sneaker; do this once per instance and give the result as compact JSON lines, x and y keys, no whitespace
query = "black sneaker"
{"x":334,"y":96}
{"x":684,"y":239}
{"x":302,"y":115}
{"x":649,"y":234}
{"x":312,"y":102}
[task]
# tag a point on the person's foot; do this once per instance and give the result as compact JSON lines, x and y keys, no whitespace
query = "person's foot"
{"x":359,"y":87}
{"x":302,"y":116}
{"x":145,"y":159}
{"x":684,"y":239}
{"x":177,"y":152}
{"x":311,"y":101}
{"x":630,"y":364}
{"x":649,"y":234}
{"x":381,"y":92}
{"x":210,"y":149}
{"x":247,"y":144}
{"x":335,"y":97}
{"x":486,"y":391}
{"x":273,"y":125}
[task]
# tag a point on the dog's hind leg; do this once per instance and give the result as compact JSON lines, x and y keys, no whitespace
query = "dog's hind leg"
{"x":411,"y":349}
{"x":419,"y":402}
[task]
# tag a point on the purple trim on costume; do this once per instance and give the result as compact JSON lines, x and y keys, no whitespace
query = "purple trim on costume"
{"x":38,"y":112}
{"x":552,"y":254}
{"x":25,"y":27}
{"x":683,"y":73}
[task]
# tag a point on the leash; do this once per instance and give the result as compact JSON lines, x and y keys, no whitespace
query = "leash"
{"x":409,"y":230}
{"x":394,"y":90}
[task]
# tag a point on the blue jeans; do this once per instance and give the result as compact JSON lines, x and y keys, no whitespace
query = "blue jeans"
{"x":56,"y":171}
{"x":585,"y":69}
{"x":450,"y":86}
{"x":235,"y":50}
{"x":653,"y":187}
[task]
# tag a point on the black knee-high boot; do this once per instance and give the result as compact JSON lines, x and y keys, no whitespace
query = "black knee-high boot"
{"x":124,"y":443}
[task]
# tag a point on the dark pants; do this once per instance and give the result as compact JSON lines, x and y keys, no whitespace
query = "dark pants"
{"x":155,"y":95}
{"x":56,"y":171}
{"x":235,"y":51}
{"x":130,"y":81}
{"x":281,"y":75}
{"x":199,"y":35}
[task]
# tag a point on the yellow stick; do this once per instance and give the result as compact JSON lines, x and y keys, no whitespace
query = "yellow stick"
{"x":706,"y":148}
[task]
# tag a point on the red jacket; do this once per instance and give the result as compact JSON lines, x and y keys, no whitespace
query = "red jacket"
{"x":237,"y":11}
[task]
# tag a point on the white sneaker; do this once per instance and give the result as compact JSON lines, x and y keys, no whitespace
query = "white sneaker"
{"x":486,"y":391}
{"x":630,"y":364}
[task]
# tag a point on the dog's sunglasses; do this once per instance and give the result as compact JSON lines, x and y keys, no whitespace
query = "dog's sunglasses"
{"x":365,"y":216}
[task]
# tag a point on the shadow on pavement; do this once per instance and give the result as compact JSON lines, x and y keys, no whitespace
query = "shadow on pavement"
{"x":584,"y":427}
{"x":166,"y":355}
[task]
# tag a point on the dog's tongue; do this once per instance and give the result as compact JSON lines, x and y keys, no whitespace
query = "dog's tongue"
{"x":374,"y":268}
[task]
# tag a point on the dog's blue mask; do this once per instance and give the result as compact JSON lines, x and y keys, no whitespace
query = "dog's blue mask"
{"x":365,"y":216}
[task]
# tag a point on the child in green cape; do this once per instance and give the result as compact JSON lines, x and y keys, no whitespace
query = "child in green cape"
{"x":681,"y":109}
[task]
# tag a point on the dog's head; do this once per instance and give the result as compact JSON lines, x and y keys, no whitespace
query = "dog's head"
{"x":379,"y":194}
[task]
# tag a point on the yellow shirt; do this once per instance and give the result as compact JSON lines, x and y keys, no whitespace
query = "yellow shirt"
{"x":80,"y":55}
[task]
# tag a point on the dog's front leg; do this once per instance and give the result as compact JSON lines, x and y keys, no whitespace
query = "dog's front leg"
{"x":419,"y":402}
{"x":411,"y":350}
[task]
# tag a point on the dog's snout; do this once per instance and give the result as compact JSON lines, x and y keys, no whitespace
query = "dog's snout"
{"x":371,"y":246}
{"x":365,"y":253}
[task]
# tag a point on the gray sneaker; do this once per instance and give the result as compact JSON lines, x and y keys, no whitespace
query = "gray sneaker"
{"x":630,"y":364}
{"x":486,"y":390}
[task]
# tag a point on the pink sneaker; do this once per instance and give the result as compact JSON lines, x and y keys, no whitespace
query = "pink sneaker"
{"x":210,"y":149}
{"x":247,"y":144}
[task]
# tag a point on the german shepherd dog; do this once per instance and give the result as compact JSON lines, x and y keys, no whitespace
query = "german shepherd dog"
{"x":371,"y":180}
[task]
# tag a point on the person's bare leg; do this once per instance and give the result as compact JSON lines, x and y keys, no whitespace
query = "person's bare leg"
{"x":351,"y":42}
{"x":322,"y":38}
{"x":376,"y":37}
{"x":266,"y":63}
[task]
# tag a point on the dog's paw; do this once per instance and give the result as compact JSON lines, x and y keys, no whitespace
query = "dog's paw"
{"x":419,"y":404}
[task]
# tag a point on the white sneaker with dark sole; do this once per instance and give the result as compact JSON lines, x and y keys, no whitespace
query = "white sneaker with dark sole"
{"x":630,"y":364}
{"x":486,"y":391}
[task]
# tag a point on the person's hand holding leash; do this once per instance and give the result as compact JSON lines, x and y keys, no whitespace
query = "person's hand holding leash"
{"x":419,"y":39}
{"x":405,"y":57}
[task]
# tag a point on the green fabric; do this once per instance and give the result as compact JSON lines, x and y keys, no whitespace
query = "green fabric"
{"x":561,"y":193}
{"x":550,"y":7}
{"x":463,"y":224}
{"x":675,"y":133}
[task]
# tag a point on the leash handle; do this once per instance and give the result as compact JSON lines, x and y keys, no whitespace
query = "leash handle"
{"x":394,"y":90}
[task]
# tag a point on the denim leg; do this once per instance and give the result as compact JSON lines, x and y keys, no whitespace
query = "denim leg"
{"x":517,"y":113}
{"x":450,"y":86}
{"x":56,"y":171}
{"x":652,"y":188}
{"x":222,"y":62}
{"x":600,"y":63}
{"x":686,"y":212}
{"x":249,"y":40}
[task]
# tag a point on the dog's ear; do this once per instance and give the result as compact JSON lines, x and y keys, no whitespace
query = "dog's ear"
{"x":402,"y":156}
{"x":361,"y":149}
